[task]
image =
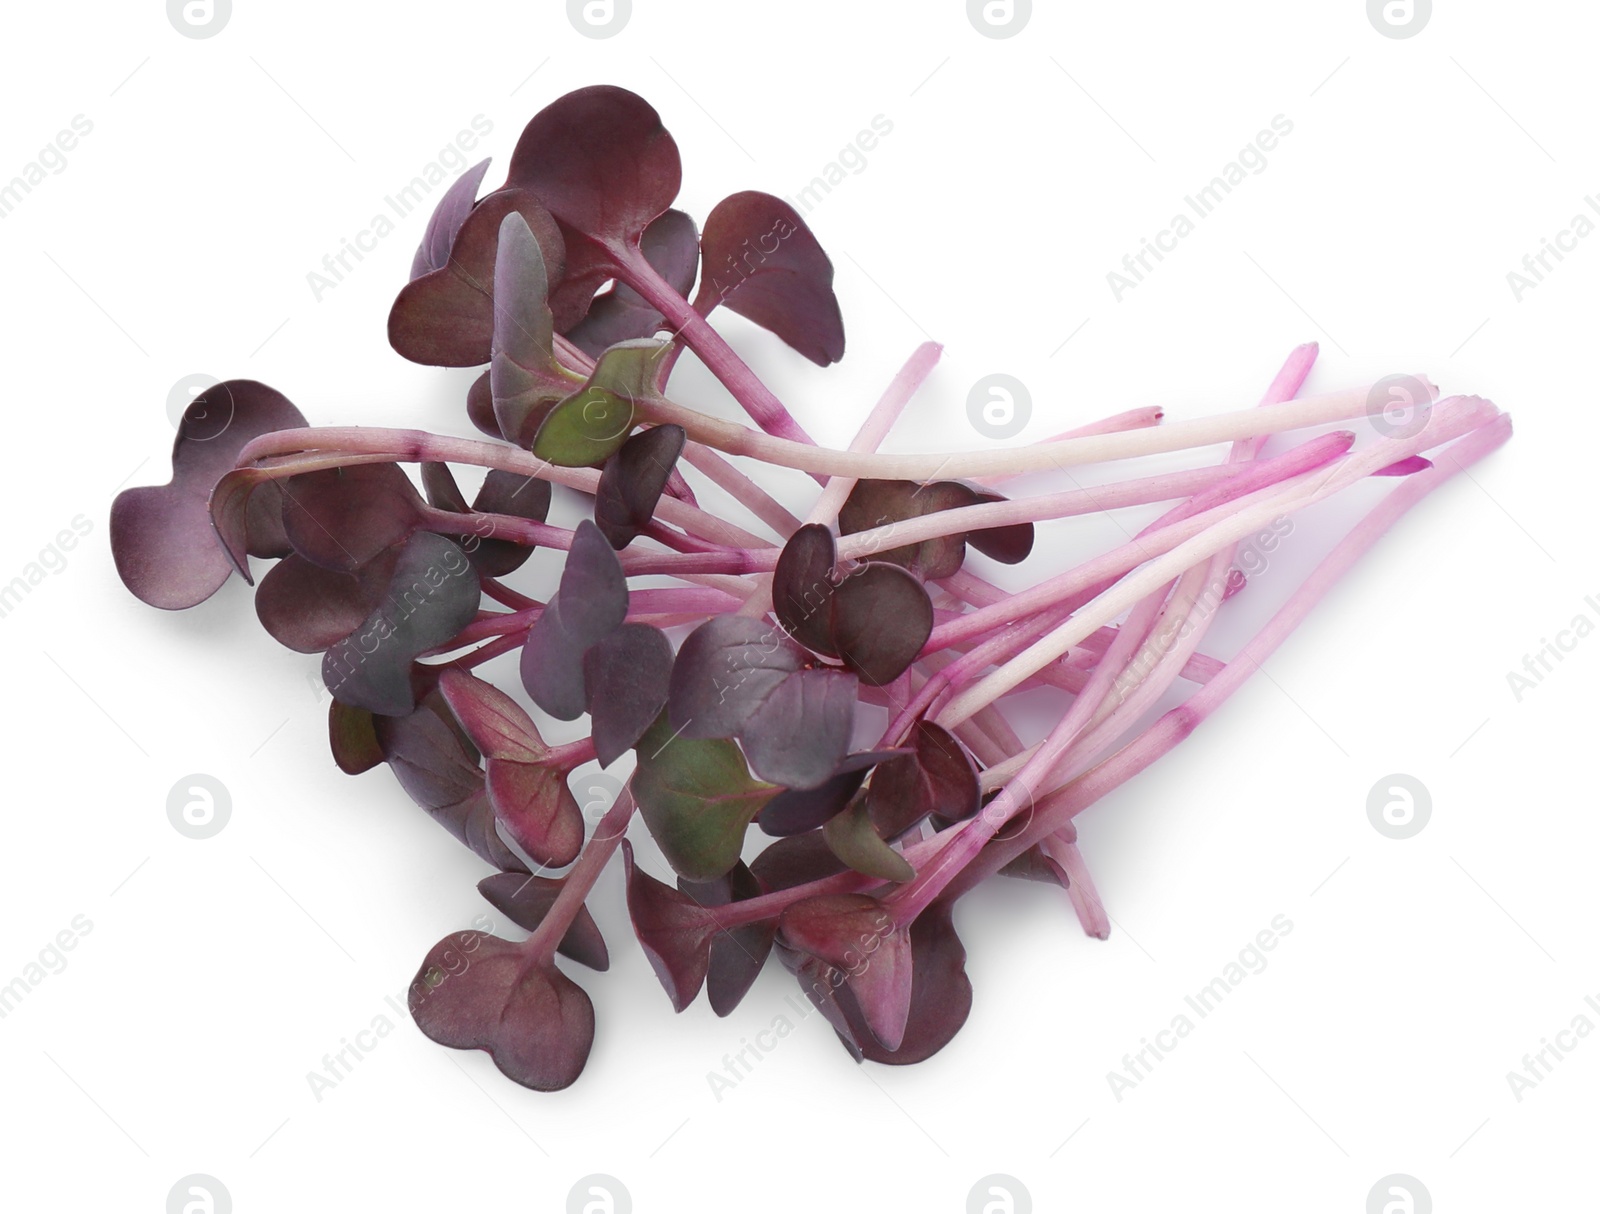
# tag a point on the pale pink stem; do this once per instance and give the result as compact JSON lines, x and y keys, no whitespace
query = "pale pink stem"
{"x":1449,"y":419}
{"x":741,"y":488}
{"x":1058,"y":808}
{"x":1081,"y":889}
{"x":1266,"y":481}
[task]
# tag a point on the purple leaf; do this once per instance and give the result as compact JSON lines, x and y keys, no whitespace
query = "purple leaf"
{"x":342,"y":518}
{"x":234,"y":504}
{"x":726,"y":669}
{"x":602,"y":163}
{"x":856,"y":934}
{"x":480,"y":407}
{"x":495,"y":723}
{"x":537,"y":808}
{"x":592,"y":600}
{"x":525,"y":900}
{"x":795,"y":860}
{"x":161,"y":536}
{"x":632,"y":482}
{"x":880,"y":503}
{"x":439,"y":484}
{"x":741,"y":677}
{"x":937,"y":777}
{"x":941,"y":995}
{"x":1035,"y":865}
{"x":799,"y":735}
{"x":880,"y":618}
{"x":1009,"y":545}
{"x":432,"y":595}
{"x":824,"y":985}
{"x":798,"y":810}
{"x":502,"y":492}
{"x":438,"y":768}
{"x":674,"y":931}
{"x":527,"y":789}
{"x":455,"y":204}
{"x":762,"y":262}
{"x":310,"y":608}
{"x":737,"y":955}
{"x":803,"y":584}
{"x":446,"y":317}
{"x":625,"y":675}
{"x":672,"y":246}
{"x":479,"y":992}
{"x":510,"y":493}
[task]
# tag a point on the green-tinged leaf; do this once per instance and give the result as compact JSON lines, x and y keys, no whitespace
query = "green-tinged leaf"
{"x":632,"y":370}
{"x":698,"y":798}
{"x":525,"y":378}
{"x":584,"y":430}
{"x":853,"y":839}
{"x":353,"y":737}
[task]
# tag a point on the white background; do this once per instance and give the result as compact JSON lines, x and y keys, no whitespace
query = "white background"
{"x":1019,"y":171}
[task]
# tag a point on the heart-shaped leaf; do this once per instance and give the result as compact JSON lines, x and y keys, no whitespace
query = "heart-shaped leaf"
{"x":342,"y":518}
{"x":439,"y":484}
{"x":741,"y":677}
{"x":1009,"y":545}
{"x":882,"y":503}
{"x":697,"y":798}
{"x":625,"y":675}
{"x":737,"y":955}
{"x":824,"y":985}
{"x":879,"y":503}
{"x":880,"y":617}
{"x":502,"y":492}
{"x":592,"y":601}
{"x":438,"y":767}
{"x":601,"y":161}
{"x":590,"y":426}
{"x":538,"y":809}
{"x":479,"y":992}
{"x":446,"y":317}
{"x":433,"y":594}
{"x":310,"y":608}
{"x":632,"y":482}
{"x":674,"y":931}
{"x":525,"y":900}
{"x":762,"y":262}
{"x":937,"y":777}
{"x":161,"y":536}
{"x":672,"y":247}
{"x":856,"y":934}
